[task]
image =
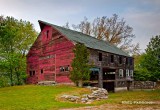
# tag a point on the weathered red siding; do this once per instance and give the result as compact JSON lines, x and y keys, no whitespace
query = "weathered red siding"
{"x":47,"y":55}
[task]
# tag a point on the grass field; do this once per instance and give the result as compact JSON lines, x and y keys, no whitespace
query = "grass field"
{"x":31,"y":97}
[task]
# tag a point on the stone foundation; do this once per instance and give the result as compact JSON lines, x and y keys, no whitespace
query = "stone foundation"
{"x":119,"y":89}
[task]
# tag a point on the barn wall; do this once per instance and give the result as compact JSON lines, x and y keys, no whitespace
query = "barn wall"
{"x":50,"y":51}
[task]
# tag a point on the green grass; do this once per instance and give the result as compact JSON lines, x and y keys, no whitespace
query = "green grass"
{"x":143,"y":95}
{"x":31,"y":97}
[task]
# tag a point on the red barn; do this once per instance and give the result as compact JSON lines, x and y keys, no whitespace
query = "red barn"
{"x":50,"y":57}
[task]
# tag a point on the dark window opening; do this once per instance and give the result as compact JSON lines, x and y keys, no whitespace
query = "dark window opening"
{"x":30,"y":73}
{"x":62,"y":69}
{"x":41,"y":71}
{"x":127,"y":61}
{"x":131,"y":61}
{"x":100,"y":56}
{"x":112,"y":58}
{"x":33,"y":73}
{"x":94,"y":75}
{"x":47,"y":33}
{"x":120,"y":60}
{"x":67,"y":68}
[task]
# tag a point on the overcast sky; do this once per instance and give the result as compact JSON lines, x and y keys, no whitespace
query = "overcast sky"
{"x":142,"y":15}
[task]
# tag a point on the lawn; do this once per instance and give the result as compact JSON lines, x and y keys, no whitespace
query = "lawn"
{"x":31,"y":97}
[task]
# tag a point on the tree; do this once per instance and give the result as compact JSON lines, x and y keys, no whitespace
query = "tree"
{"x":147,"y":65}
{"x":16,"y":37}
{"x":152,"y":59}
{"x":140,"y":72}
{"x":112,"y":30}
{"x":80,"y":67}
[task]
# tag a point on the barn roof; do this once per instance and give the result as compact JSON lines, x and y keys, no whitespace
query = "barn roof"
{"x":87,"y":40}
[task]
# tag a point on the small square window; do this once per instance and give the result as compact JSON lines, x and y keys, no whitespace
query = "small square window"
{"x":62,"y":69}
{"x":67,"y":68}
{"x":33,"y":73}
{"x":47,"y":33}
{"x":120,"y":59}
{"x":41,"y":71}
{"x":112,"y":58}
{"x":131,"y":61}
{"x":126,"y":61}
{"x":30,"y":73}
{"x":100,"y":56}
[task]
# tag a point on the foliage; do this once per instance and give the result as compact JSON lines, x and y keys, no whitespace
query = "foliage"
{"x":3,"y":80}
{"x":152,"y":58}
{"x":80,"y":67}
{"x":113,"y":30}
{"x":147,"y":65}
{"x":16,"y":37}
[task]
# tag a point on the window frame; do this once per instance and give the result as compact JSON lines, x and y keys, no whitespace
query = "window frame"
{"x":131,"y":73}
{"x":127,"y":73}
{"x":121,"y":73}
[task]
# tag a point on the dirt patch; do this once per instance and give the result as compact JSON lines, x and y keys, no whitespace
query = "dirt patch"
{"x":118,"y":107}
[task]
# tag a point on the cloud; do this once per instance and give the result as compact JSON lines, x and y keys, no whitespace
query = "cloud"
{"x":145,"y":24}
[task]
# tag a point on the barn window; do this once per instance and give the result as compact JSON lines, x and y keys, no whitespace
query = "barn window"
{"x":112,"y":58}
{"x":33,"y":73}
{"x":131,"y":61}
{"x":30,"y":73}
{"x":67,"y":68}
{"x":126,"y":61}
{"x":100,"y":56}
{"x":120,"y":60}
{"x":47,"y":33}
{"x":127,"y":72}
{"x":131,"y":73}
{"x":62,"y":69}
{"x":41,"y":71}
{"x":120,"y":72}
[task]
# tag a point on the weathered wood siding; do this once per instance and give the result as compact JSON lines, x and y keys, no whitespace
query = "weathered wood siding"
{"x":50,"y":51}
{"x":106,"y":60}
{"x":106,"y":64}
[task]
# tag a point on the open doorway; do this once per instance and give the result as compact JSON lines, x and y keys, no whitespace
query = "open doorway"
{"x":109,"y":74}
{"x":109,"y":79}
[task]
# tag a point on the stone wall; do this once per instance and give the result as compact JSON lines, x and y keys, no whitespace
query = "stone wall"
{"x":144,"y":85}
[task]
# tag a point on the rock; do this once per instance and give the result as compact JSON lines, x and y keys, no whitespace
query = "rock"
{"x":97,"y":94}
{"x":91,"y":96}
{"x":83,"y":100}
{"x":46,"y":83}
{"x":94,"y":88}
{"x":65,"y":96}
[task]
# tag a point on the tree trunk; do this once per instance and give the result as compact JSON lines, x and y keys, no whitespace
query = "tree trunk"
{"x":80,"y":83}
{"x":11,"y":77}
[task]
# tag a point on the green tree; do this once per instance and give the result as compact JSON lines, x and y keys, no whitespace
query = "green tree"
{"x":16,"y":37}
{"x":80,"y":67}
{"x":152,"y":58}
{"x":140,"y":72}
{"x":147,"y":66}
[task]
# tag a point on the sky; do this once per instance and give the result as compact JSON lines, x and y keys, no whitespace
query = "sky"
{"x":142,"y":15}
